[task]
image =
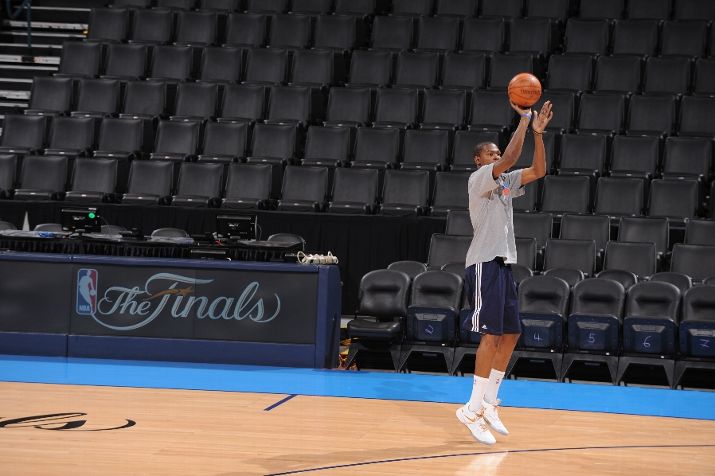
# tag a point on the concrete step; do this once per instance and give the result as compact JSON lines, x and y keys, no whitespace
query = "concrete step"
{"x":40,"y":37}
{"x":45,"y":25}
{"x":26,"y":71}
{"x":58,"y":14}
{"x":16,"y":84}
{"x":44,"y":60}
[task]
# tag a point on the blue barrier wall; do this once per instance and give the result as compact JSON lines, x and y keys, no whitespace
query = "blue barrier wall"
{"x":161,"y":309}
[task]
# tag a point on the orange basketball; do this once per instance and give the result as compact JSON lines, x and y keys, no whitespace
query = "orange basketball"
{"x":524,"y":89}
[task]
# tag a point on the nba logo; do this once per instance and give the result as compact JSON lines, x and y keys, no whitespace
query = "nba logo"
{"x":86,"y":291}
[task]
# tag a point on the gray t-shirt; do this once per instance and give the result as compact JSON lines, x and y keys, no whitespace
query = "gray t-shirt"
{"x":492,"y":215}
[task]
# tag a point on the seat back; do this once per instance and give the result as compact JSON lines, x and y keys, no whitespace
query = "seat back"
{"x":24,"y":131}
{"x":153,"y":177}
{"x":438,"y":33}
{"x":370,"y":68}
{"x":75,"y":133}
{"x":483,"y":34}
{"x":290,"y":31}
{"x":617,"y":196}
{"x":653,"y":299}
{"x":681,"y":281}
{"x":533,"y":225}
{"x":409,"y":267}
{"x":305,"y":183}
{"x":586,"y":227}
{"x":243,"y":101}
{"x":638,"y":258}
{"x":544,"y":295}
{"x":673,"y":198}
{"x":172,"y":62}
{"x":196,"y":100}
{"x":200,"y":180}
{"x":418,"y":69}
{"x":145,"y":98}
{"x":377,"y":145}
{"x":435,"y":302}
{"x":574,"y":254}
{"x":426,"y":147}
{"x":312,"y":67}
{"x":406,"y":187}
{"x":98,"y":96}
{"x":51,"y":94}
{"x":397,"y":106}
{"x":46,"y":173}
{"x":444,"y":107}
{"x":653,"y":230}
{"x":94,"y":175}
{"x":384,"y":293}
{"x":351,"y":105}
{"x":108,"y":24}
{"x":152,"y":26}
{"x":328,"y":143}
{"x":566,"y":194}
{"x":221,"y":64}
{"x":392,"y":33}
{"x":355,"y":185}
{"x":445,"y":249}
{"x":700,"y":232}
{"x":697,"y":261}
{"x":289,"y":104}
{"x":249,"y":181}
{"x":177,"y":137}
{"x":80,"y":58}
{"x":246,"y":29}
{"x":273,"y":140}
{"x":266,"y":65}
{"x":598,"y":297}
{"x":120,"y":135}
{"x":652,"y":114}
{"x":225,"y":139}
{"x":450,"y":192}
{"x":459,"y":223}
{"x":464,"y":70}
{"x":196,"y":28}
{"x":126,"y":60}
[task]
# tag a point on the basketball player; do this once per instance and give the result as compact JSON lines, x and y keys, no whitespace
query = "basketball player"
{"x":488,"y":280}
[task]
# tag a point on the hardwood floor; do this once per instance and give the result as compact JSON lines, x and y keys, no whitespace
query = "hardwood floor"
{"x":225,"y":433}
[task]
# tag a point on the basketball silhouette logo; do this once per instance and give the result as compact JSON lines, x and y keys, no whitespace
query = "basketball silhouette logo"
{"x":524,"y":89}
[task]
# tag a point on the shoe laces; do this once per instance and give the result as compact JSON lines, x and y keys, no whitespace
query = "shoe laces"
{"x":480,"y":420}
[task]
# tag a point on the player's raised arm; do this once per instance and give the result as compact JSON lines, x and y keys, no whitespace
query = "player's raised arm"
{"x":538,"y":164}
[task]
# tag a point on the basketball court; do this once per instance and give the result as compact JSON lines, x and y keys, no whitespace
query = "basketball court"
{"x":90,"y":416}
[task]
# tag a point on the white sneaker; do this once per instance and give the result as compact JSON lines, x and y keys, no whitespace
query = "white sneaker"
{"x":491,"y":416}
{"x":476,"y":424}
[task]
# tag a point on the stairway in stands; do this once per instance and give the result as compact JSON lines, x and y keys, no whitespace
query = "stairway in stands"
{"x":52,"y":23}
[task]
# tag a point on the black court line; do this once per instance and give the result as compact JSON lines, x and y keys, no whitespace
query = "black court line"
{"x":279,"y":402}
{"x":457,"y":455}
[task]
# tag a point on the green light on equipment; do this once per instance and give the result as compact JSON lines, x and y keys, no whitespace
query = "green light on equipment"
{"x":92,"y":215}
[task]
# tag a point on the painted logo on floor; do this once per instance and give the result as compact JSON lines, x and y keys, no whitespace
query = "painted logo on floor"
{"x":74,"y":421}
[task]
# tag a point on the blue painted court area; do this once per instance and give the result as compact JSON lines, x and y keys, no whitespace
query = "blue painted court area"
{"x":363,"y":384}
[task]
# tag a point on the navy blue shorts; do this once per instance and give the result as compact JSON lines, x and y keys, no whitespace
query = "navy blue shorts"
{"x":491,"y":291}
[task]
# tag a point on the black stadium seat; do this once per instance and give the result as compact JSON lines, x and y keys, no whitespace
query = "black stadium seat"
{"x":248,"y":186}
{"x":152,"y":26}
{"x":177,"y":141}
{"x":305,"y":189}
{"x":246,"y":30}
{"x":108,"y":24}
{"x":327,"y":146}
{"x":405,"y":192}
{"x":93,"y":180}
{"x":23,"y":134}
{"x":126,"y":61}
{"x":224,"y":141}
{"x":42,"y":178}
{"x":354,"y":191}
{"x":199,"y":185}
{"x":80,"y":59}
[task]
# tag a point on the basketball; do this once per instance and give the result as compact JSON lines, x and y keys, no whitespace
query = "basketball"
{"x":524,"y":89}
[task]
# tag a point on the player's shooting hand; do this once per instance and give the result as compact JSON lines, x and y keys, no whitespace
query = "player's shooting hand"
{"x":542,"y":118}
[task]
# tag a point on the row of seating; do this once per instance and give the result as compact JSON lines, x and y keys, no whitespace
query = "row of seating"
{"x":342,"y":32}
{"x":303,"y":188}
{"x":396,"y":107}
{"x":571,"y":154}
{"x":317,"y":68}
{"x":630,"y":258}
{"x":595,"y":320}
{"x":556,"y":9}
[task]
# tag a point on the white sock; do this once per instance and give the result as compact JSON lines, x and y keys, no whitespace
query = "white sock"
{"x":478,"y":389}
{"x":495,"y":378}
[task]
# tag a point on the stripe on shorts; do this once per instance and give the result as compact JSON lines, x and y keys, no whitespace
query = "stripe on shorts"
{"x":477,"y":296}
